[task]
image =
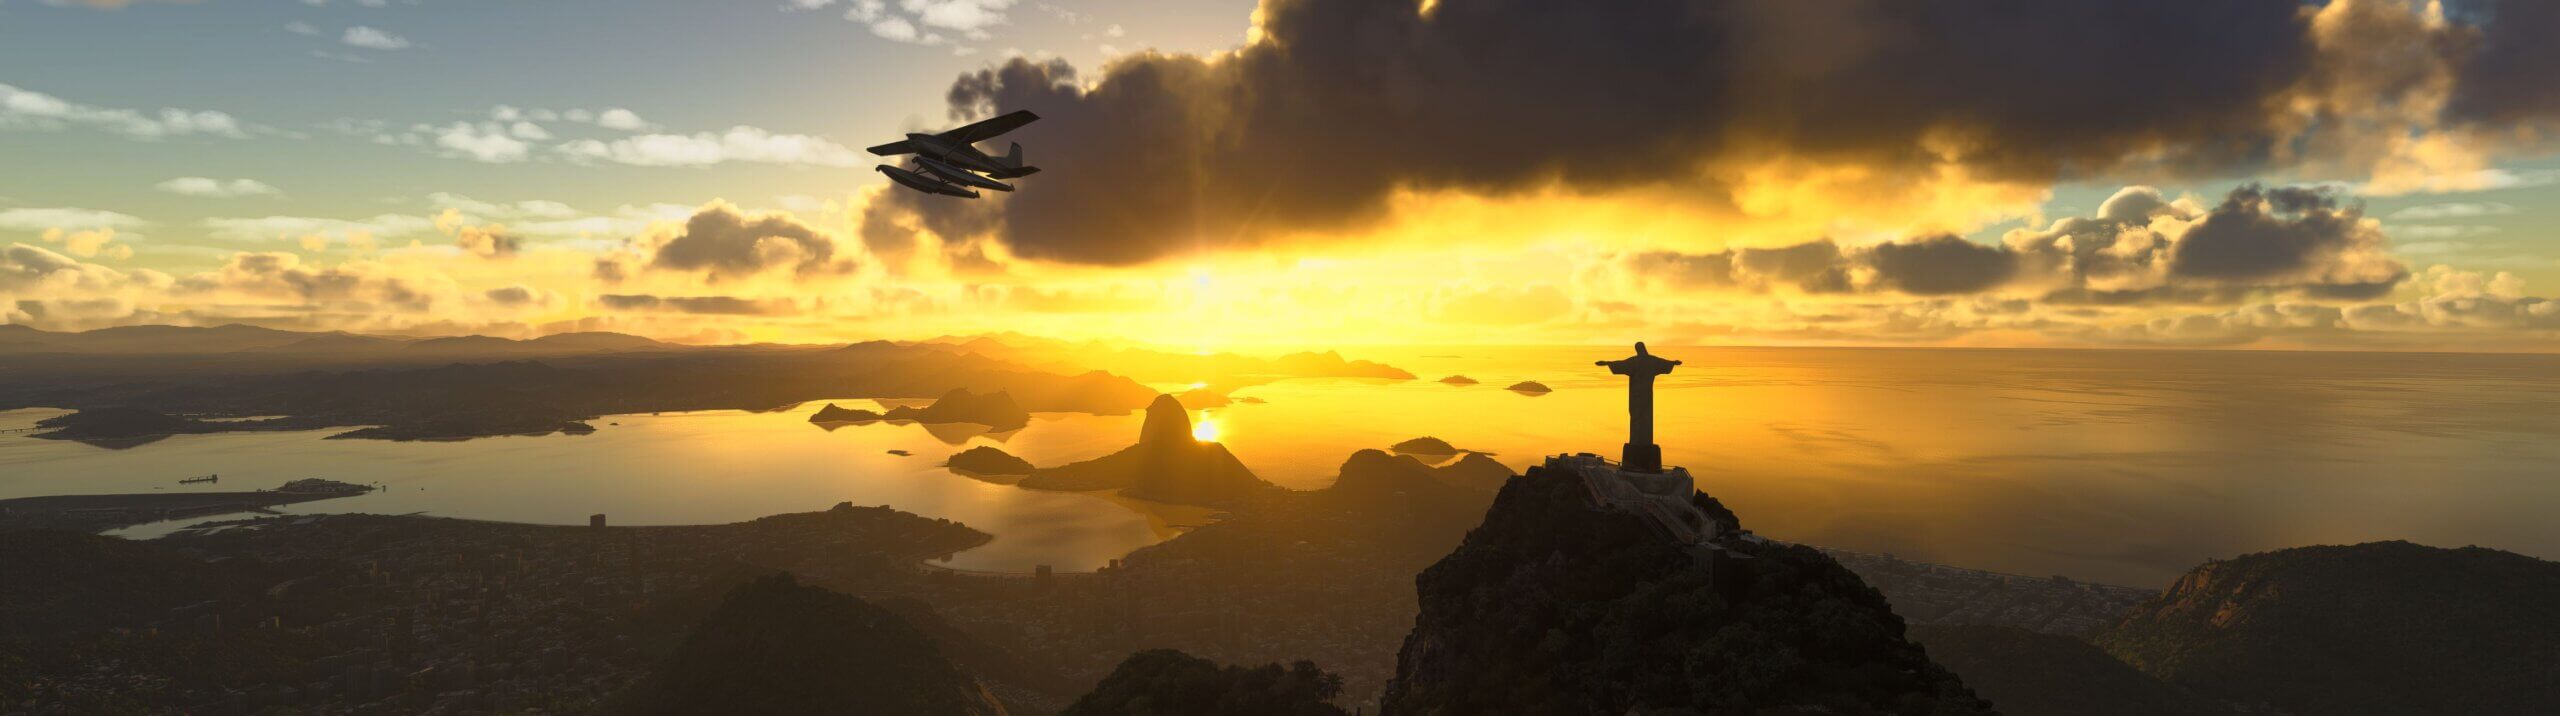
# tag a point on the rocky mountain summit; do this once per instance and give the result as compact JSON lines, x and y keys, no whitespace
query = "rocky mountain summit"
{"x":1167,"y":465}
{"x":1591,"y":590}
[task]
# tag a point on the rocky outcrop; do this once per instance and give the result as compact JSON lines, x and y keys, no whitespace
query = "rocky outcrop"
{"x":1555,"y":604}
{"x":986,"y":460}
{"x":1166,"y":465}
{"x":1530,"y":387}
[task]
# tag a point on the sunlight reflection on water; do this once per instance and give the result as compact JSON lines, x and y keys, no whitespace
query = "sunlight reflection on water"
{"x":2121,"y":466}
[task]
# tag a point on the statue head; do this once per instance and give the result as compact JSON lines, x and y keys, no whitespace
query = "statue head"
{"x":1640,"y":349}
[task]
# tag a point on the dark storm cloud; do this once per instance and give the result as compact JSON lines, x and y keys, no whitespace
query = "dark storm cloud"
{"x":1941,"y":265}
{"x":1345,"y":100}
{"x":723,"y":242}
{"x":2266,"y":233}
{"x":488,"y":242}
{"x":2510,"y":78}
{"x":1342,"y":102}
{"x":1813,"y":267}
{"x":513,"y":296}
{"x":707,"y":305}
{"x":2293,"y":240}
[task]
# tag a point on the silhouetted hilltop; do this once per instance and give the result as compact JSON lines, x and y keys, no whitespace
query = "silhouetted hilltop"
{"x":833,"y":413}
{"x":1164,"y":682}
{"x":1203,"y":398}
{"x":2376,"y":628}
{"x":335,"y":342}
{"x":775,"y":646}
{"x":1166,"y":366}
{"x":1530,"y":387}
{"x":1475,"y":471}
{"x":282,"y":345}
{"x":1554,"y":605}
{"x":2027,"y":673}
{"x":993,"y":409}
{"x":1166,"y":465}
{"x":1425,"y":445}
{"x":161,"y":339}
{"x":596,"y":341}
{"x":987,"y":460}
{"x":1458,"y":380}
{"x":1374,"y":479}
{"x":1330,"y":364}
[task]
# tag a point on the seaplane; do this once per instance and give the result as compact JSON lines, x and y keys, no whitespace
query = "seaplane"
{"x":949,"y":163}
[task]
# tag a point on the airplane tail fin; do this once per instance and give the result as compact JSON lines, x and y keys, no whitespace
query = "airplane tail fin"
{"x":1012,"y":162}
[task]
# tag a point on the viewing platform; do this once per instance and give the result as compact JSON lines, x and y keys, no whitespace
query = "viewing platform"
{"x":1663,"y":497}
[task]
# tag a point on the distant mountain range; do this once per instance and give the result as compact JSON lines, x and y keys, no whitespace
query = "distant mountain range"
{"x":235,"y":338}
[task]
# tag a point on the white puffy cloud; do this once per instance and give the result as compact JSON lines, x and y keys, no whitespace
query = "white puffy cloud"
{"x":22,"y":109}
{"x":2456,"y":210}
{"x":373,"y":39}
{"x":531,"y":208}
{"x":971,"y":17}
{"x":738,"y":144}
{"x":622,"y":119}
{"x":485,"y":142}
{"x":217,"y":188}
{"x":40,"y":219}
{"x":291,"y":227}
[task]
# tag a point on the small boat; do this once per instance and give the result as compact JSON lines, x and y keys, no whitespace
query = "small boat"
{"x":206,"y":478}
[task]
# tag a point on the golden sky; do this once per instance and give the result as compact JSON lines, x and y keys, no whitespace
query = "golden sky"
{"x":2264,"y":173}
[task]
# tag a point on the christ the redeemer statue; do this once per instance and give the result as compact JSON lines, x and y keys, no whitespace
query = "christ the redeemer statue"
{"x":1641,"y":454}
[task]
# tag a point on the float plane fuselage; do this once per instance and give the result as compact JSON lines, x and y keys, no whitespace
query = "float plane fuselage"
{"x":947,"y":163}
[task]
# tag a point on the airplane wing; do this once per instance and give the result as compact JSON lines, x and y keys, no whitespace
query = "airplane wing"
{"x":897,"y":147}
{"x":989,"y":128}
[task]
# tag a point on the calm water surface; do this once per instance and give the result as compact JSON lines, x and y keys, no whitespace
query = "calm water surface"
{"x":2121,"y":466}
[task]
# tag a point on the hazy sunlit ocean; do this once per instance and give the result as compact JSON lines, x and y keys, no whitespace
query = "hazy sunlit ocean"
{"x":2116,"y":466}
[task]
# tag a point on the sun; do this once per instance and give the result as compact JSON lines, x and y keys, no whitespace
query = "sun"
{"x":1205,"y":429}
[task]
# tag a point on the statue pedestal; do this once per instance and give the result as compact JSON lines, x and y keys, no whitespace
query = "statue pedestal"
{"x":1640,"y":458}
{"x":1665,"y":497}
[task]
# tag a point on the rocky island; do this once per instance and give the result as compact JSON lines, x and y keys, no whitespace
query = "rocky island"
{"x":987,"y":460}
{"x":1167,"y":465}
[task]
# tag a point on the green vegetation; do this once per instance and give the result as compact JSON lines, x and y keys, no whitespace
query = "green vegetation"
{"x":2026,"y":673}
{"x":2377,"y":628}
{"x":775,"y":646}
{"x":1164,"y":682}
